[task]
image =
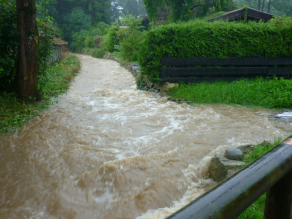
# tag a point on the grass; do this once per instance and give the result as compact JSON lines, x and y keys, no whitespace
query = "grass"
{"x":256,"y":210}
{"x":274,"y":93}
{"x":15,"y":111}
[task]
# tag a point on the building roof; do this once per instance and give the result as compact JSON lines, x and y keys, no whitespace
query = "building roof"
{"x":239,"y":14}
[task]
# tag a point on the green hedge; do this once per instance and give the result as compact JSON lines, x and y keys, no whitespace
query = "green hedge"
{"x":218,"y":40}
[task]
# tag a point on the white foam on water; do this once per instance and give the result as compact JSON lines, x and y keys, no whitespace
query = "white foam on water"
{"x":284,"y":114}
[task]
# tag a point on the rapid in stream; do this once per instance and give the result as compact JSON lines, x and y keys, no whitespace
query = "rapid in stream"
{"x":108,"y":150}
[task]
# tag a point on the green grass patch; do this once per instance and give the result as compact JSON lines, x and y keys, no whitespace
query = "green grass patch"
{"x":274,"y":93}
{"x":15,"y":111}
{"x":256,"y":210}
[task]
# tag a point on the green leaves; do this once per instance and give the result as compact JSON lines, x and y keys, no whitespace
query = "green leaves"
{"x":8,"y":42}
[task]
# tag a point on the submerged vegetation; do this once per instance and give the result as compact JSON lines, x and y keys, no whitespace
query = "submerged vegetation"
{"x":15,"y":111}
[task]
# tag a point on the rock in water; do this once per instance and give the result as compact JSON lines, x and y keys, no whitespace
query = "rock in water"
{"x":233,"y":154}
{"x":220,"y":166}
{"x":166,"y":86}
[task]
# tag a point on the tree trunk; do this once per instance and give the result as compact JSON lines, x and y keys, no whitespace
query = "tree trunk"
{"x":263,"y":5}
{"x":269,"y":6}
{"x":26,"y":75}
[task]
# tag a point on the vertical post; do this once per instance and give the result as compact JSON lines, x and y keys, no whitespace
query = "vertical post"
{"x":279,"y":199}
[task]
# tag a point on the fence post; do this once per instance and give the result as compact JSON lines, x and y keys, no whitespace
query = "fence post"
{"x":279,"y":199}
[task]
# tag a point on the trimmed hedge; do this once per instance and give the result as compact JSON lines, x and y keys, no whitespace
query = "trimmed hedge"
{"x":198,"y":39}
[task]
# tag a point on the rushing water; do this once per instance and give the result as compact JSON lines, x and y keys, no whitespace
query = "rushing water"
{"x":107,"y":150}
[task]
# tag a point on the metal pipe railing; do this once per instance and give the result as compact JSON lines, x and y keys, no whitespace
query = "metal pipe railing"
{"x":233,"y":195}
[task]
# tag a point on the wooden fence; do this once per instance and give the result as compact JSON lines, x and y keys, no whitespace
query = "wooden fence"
{"x":212,"y":69}
{"x":272,"y":172}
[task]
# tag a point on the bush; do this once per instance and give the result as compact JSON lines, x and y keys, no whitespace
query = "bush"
{"x":198,"y":39}
{"x":89,"y":42}
{"x":111,"y":38}
{"x":85,"y":38}
{"x":130,"y":46}
{"x":98,"y":53}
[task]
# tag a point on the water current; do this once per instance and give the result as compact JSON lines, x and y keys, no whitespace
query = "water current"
{"x":108,"y":150}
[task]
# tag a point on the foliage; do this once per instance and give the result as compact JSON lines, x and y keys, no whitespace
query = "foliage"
{"x":86,"y":38}
{"x":130,"y":46}
{"x":103,"y":27}
{"x":14,"y":111}
{"x":185,"y":9}
{"x":126,"y":40}
{"x":74,"y":22}
{"x":198,"y":39}
{"x":8,"y":42}
{"x":280,"y":8}
{"x":61,"y":73}
{"x":45,"y":51}
{"x":111,"y":38}
{"x":132,"y":23}
{"x":98,"y":53}
{"x":274,"y":93}
{"x":75,"y":15}
{"x":134,"y":7}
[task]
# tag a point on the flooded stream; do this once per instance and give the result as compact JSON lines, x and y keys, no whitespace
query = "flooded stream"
{"x":107,"y":150}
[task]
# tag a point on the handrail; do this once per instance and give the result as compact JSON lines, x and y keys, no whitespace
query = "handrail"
{"x":233,"y":195}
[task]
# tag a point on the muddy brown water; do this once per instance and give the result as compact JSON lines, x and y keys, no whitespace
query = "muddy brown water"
{"x":107,"y":150}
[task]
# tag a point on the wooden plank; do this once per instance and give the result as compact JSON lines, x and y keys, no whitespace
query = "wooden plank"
{"x":225,"y":71}
{"x":200,"y":79}
{"x":280,"y":71}
{"x":231,"y":61}
{"x":210,"y":79}
{"x":280,"y":61}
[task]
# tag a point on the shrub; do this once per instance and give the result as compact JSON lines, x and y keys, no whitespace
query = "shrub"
{"x":98,"y":53}
{"x":85,"y":38}
{"x":130,"y":46}
{"x":198,"y":39}
{"x":111,"y":38}
{"x":89,"y":42}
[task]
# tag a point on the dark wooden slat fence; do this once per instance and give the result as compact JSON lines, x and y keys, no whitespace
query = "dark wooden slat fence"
{"x":230,"y":69}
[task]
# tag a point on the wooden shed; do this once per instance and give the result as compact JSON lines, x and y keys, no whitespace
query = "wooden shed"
{"x":239,"y":15}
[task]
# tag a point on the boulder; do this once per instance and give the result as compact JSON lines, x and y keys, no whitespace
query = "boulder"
{"x":147,"y":82}
{"x":163,"y":94}
{"x":220,"y":167}
{"x":153,"y":90}
{"x":245,"y":149}
{"x":233,"y":154}
{"x":166,"y":86}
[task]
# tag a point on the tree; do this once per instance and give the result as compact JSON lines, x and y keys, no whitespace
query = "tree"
{"x":26,"y":75}
{"x":276,"y":7}
{"x":126,"y":7}
{"x":74,"y":22}
{"x":182,"y":9}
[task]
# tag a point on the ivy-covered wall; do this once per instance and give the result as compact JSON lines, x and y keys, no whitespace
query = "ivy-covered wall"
{"x":198,"y":39}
